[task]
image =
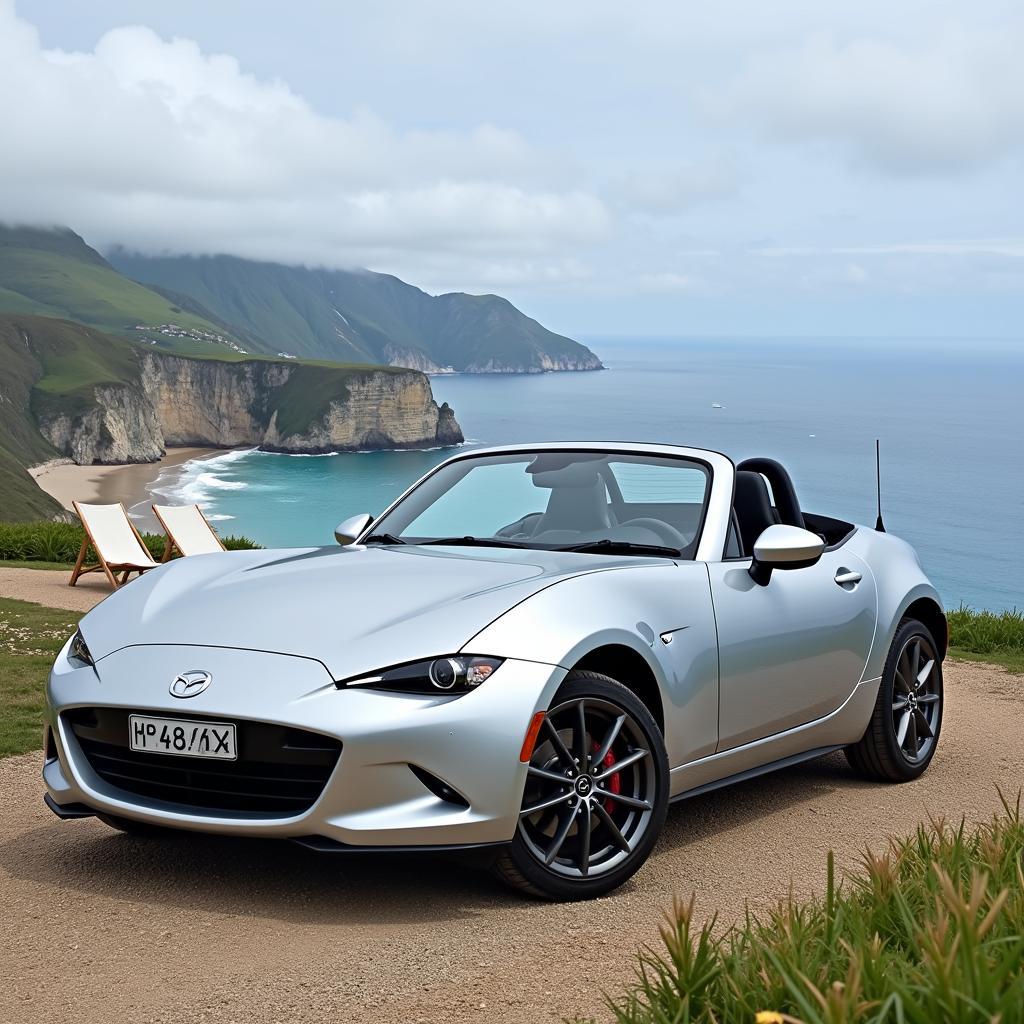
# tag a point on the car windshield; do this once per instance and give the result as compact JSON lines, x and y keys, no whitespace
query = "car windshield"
{"x":596,"y":502}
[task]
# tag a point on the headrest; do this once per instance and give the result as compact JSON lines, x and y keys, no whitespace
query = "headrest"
{"x":566,"y":474}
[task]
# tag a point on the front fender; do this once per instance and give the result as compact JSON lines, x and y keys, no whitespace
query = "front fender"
{"x":661,"y":612}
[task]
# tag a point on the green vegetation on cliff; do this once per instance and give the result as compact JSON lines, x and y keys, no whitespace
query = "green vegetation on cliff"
{"x":54,"y":273}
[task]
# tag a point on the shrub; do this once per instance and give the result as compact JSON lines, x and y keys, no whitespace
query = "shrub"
{"x":59,"y":542}
{"x":931,"y":931}
{"x":986,"y":632}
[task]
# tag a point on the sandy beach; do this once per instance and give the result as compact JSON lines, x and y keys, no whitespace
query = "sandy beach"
{"x":107,"y":484}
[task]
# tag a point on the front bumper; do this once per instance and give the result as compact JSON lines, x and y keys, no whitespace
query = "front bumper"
{"x":374,"y":797}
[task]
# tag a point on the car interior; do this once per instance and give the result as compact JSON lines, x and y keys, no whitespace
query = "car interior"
{"x":585,"y":502}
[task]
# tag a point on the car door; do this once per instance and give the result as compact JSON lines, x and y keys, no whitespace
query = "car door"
{"x":792,"y":651}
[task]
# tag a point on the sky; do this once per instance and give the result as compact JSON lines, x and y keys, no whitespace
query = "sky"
{"x":799,"y":168}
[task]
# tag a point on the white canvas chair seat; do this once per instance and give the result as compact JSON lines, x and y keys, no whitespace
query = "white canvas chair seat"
{"x":118,"y":545}
{"x":187,"y":530}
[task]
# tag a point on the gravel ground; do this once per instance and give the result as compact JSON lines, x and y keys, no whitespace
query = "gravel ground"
{"x":102,"y":927}
{"x":50,"y":587}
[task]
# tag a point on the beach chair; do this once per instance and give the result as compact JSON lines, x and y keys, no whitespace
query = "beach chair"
{"x":187,"y":531}
{"x":118,"y":545}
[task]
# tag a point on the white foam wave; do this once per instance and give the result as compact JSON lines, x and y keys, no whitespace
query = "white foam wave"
{"x":219,"y":483}
{"x":197,"y":482}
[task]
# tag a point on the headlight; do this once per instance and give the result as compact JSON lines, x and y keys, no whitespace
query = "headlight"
{"x":78,"y":651}
{"x":454,"y":674}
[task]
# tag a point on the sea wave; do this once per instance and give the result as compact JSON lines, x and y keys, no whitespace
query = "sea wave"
{"x":197,"y":482}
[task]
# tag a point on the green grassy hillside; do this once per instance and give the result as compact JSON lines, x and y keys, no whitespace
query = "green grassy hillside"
{"x":359,"y":315}
{"x":47,"y":365}
{"x":54,"y":273}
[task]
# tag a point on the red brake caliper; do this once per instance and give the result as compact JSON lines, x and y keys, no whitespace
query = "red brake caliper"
{"x":614,"y":782}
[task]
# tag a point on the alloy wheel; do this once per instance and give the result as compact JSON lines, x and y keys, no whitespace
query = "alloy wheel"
{"x":916,"y":699}
{"x":590,"y":791}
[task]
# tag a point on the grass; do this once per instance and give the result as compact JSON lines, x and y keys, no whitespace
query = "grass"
{"x":930,"y":931}
{"x":56,"y":545}
{"x":30,"y":638}
{"x":66,"y":285}
{"x":988,"y":636}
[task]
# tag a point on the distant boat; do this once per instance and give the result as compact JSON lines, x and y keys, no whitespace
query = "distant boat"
{"x":717,"y":405}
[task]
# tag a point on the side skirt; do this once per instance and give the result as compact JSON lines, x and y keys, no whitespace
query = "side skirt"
{"x":753,"y":773}
{"x":321,"y":844}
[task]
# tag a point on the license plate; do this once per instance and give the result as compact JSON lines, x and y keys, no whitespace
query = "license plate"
{"x":182,"y":736}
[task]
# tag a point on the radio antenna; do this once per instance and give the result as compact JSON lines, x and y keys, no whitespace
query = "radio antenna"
{"x":879,"y":525}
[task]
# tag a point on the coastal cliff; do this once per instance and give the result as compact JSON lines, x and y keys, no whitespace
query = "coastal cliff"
{"x":78,"y":393}
{"x":180,"y":401}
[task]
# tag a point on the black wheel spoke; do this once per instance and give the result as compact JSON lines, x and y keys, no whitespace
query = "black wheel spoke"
{"x":582,"y":753}
{"x":609,"y":739}
{"x":623,"y":763}
{"x":584,"y":833}
{"x":921,"y":726}
{"x":548,"y":776}
{"x":544,"y":805}
{"x":901,"y":729}
{"x":606,"y":819}
{"x":560,"y":836}
{"x":556,"y":741}
{"x":912,"y":740}
{"x":628,"y":801}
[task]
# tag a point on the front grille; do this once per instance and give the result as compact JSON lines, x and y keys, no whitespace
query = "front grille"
{"x":279,"y":771}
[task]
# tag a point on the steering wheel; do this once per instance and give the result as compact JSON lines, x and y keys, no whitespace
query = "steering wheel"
{"x":667,"y":535}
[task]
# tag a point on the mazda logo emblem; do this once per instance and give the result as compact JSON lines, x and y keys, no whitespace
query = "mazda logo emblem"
{"x":190,"y":684}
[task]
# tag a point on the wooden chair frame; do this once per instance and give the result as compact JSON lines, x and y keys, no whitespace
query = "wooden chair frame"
{"x":112,"y":569}
{"x":172,"y":545}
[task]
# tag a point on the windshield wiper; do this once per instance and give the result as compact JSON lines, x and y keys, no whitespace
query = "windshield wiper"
{"x":478,"y":542}
{"x":620,"y":547}
{"x":383,"y":538}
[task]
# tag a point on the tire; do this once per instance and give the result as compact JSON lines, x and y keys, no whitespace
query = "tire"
{"x":909,"y":702}
{"x":552,"y":855}
{"x":141,"y":829}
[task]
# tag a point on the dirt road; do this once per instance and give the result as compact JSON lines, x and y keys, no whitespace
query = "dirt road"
{"x":98,"y":927}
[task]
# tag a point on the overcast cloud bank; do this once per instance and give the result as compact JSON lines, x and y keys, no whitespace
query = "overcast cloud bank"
{"x":607,"y":168}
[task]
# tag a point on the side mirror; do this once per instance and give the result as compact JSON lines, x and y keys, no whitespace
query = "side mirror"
{"x":784,"y":547}
{"x":346,"y":532}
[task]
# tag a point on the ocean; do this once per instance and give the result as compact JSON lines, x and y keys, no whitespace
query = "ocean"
{"x":948,"y":413}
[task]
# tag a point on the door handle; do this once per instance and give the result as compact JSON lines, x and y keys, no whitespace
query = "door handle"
{"x":848,"y":577}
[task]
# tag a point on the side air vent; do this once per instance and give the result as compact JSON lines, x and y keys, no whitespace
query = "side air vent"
{"x":439,"y":787}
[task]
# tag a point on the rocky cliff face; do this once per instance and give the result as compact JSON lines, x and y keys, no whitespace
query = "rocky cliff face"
{"x":182,"y":401}
{"x":382,"y":411}
{"x":544,"y":363}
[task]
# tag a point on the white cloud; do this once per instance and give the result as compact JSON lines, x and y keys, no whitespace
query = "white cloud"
{"x":667,"y":281}
{"x":157,"y":145}
{"x":948,"y":100}
{"x":661,"y":191}
{"x":1008,"y":247}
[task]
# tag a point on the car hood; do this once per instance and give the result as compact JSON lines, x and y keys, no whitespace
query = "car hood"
{"x":355,"y":609}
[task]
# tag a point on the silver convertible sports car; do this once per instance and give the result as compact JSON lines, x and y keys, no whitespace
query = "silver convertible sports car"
{"x":533,"y":651}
